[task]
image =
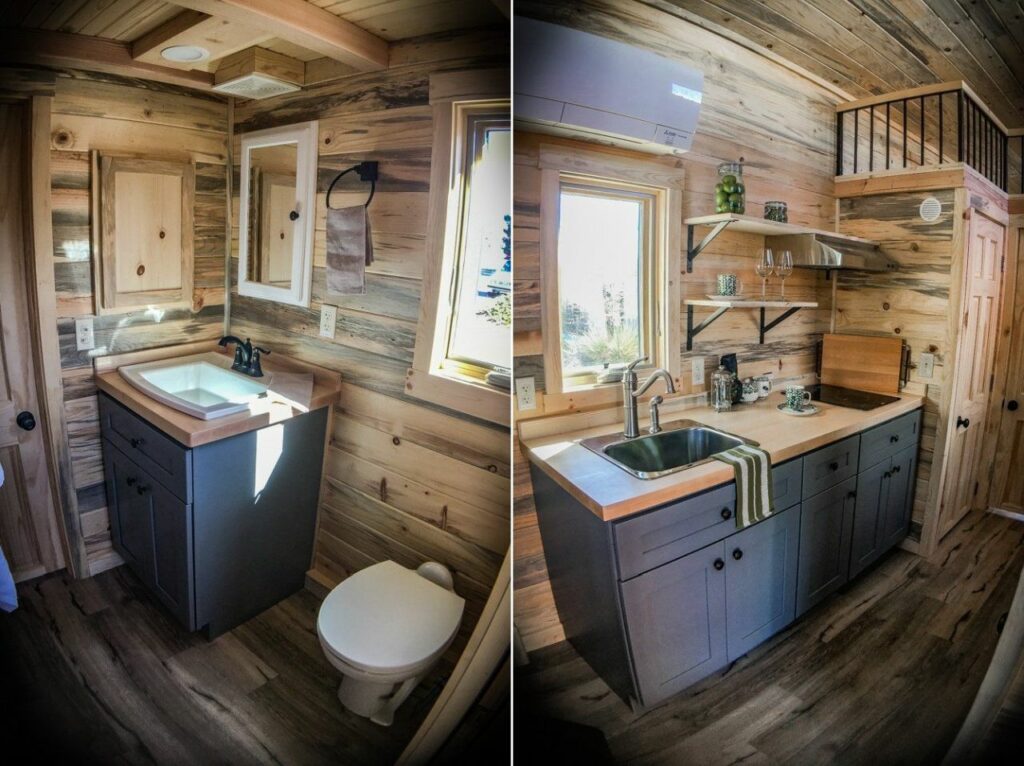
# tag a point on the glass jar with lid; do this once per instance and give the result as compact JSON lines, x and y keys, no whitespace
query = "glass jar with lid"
{"x":722,"y":382}
{"x":730,"y":191}
{"x":775,"y":210}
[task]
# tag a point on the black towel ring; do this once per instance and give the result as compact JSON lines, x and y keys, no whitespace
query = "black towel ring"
{"x":367,"y":172}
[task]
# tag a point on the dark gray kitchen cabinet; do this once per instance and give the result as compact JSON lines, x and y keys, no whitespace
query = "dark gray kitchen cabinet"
{"x":869,"y":510}
{"x":826,"y":526}
{"x":900,"y":497}
{"x":221,"y":531}
{"x":760,"y":580}
{"x":675,"y":620}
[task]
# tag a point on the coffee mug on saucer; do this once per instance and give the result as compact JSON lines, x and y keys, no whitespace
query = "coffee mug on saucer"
{"x":797,"y":397}
{"x":729,"y":284}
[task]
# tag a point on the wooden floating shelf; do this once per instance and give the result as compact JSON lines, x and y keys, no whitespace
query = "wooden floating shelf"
{"x":791,"y":307}
{"x":748,"y":224}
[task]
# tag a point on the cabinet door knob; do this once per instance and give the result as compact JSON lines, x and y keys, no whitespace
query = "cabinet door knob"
{"x":719,"y":564}
{"x":726,"y":513}
{"x":142,"y":489}
{"x":852,"y":494}
{"x":894,"y":439}
{"x":737,"y":554}
{"x":887,"y":475}
{"x":895,"y":469}
{"x":833,"y":466}
{"x":130,"y":481}
{"x":136,"y":442}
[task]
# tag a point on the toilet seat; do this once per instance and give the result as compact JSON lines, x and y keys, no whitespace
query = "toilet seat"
{"x":387,"y":619}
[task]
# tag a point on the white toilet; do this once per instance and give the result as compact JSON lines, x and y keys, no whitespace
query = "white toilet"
{"x":384,"y":628}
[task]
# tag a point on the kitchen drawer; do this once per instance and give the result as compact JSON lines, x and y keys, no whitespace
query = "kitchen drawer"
{"x":830,"y":465}
{"x":884,"y":441}
{"x":657,"y":537}
{"x":158,"y":454}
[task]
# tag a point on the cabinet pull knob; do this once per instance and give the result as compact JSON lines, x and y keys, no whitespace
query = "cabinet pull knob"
{"x":895,"y":469}
{"x":737,"y":554}
{"x":852,"y":494}
{"x":833,"y":466}
{"x":142,"y":489}
{"x":887,"y":475}
{"x":719,"y":564}
{"x":130,"y":481}
{"x":726,"y":513}
{"x":894,"y":439}
{"x":136,"y":442}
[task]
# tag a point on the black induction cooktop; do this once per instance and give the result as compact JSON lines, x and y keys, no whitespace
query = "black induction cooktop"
{"x":849,"y":397}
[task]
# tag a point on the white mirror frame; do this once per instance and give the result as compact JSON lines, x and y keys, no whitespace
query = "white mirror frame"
{"x":305,"y":136}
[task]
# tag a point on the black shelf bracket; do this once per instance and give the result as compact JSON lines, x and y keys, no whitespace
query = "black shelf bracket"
{"x":692,"y":332}
{"x":777,"y":321}
{"x":691,"y":251}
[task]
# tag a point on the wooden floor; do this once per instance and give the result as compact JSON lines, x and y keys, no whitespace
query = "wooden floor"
{"x":95,"y":671}
{"x":881,"y":673}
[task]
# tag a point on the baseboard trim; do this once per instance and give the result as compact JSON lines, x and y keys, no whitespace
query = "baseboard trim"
{"x":1008,"y":514}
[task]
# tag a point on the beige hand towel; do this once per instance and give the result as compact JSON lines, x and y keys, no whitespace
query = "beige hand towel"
{"x":349,"y":250}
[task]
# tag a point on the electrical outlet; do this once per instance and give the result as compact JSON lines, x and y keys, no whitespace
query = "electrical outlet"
{"x":328,"y":320}
{"x":526,"y":394}
{"x":697,"y":371}
{"x":927,"y":367}
{"x":84,"y":338}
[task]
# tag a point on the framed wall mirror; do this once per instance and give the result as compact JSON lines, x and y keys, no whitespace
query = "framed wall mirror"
{"x":278,"y":198}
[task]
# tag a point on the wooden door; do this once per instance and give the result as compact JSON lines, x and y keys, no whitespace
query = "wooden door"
{"x":28,"y":526}
{"x":974,"y":367}
{"x":1007,"y":491}
{"x":760,"y":581}
{"x":675,"y":620}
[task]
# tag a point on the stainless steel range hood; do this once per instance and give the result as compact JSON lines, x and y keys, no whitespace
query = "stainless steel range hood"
{"x":820,"y":251}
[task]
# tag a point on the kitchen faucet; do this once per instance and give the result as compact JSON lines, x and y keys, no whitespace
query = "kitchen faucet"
{"x":630,"y":393}
{"x":247,"y":356}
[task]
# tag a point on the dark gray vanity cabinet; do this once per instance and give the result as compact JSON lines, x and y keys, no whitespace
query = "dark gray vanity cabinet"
{"x":221,"y":531}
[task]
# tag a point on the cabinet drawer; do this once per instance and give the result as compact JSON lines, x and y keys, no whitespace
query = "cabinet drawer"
{"x":830,"y":465}
{"x":158,"y":454}
{"x":884,"y":441}
{"x":657,"y":537}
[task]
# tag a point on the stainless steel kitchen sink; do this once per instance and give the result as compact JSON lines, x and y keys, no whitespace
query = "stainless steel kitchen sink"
{"x":680,"y":444}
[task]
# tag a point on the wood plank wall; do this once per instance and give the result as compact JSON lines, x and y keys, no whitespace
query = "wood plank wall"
{"x":92,"y":111}
{"x":912,"y":303}
{"x":404,"y":480}
{"x":782,"y":125}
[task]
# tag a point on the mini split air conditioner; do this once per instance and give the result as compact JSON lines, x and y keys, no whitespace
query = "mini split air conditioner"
{"x":579,"y":84}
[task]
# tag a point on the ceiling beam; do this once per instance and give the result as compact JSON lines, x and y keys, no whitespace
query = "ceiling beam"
{"x":303,"y":24}
{"x":155,"y":38}
{"x":97,"y":54}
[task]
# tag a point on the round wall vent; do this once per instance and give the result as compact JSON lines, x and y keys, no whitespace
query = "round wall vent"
{"x":931,"y":209}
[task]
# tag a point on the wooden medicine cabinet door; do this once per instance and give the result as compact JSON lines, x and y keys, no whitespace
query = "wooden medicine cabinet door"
{"x":146,"y":228}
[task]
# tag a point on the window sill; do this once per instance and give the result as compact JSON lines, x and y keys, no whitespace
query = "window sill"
{"x":461,"y":394}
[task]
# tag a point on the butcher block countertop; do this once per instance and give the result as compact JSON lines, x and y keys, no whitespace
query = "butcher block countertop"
{"x":612,"y":493}
{"x":290,"y":393}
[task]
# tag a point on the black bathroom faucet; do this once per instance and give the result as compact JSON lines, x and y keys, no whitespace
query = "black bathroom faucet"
{"x":247,"y":356}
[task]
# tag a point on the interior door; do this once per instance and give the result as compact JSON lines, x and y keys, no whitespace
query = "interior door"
{"x":972,"y":387}
{"x":28,"y":527}
{"x":1007,"y":478}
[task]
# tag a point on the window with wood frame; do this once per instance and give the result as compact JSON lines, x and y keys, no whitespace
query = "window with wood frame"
{"x":464,"y":331}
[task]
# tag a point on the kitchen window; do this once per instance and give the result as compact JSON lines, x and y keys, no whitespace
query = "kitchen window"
{"x":464,"y":329}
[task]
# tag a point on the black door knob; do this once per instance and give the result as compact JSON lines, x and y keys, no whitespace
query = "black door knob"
{"x":143,"y":489}
{"x":1012,"y":405}
{"x":130,"y":481}
{"x":895,"y":469}
{"x":26,"y":420}
{"x":726,"y":513}
{"x":136,"y":442}
{"x":833,"y":466}
{"x":737,"y":554}
{"x":294,"y":215}
{"x":894,"y":439}
{"x":965,"y":422}
{"x":719,"y":564}
{"x":851,"y":494}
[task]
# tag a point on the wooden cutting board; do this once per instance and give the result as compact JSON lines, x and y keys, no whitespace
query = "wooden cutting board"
{"x":863,"y":362}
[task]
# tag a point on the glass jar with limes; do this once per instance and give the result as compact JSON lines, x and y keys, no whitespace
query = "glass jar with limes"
{"x":730,"y":193}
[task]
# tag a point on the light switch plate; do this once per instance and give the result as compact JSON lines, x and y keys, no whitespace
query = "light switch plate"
{"x":328,"y":320}
{"x":927,"y":367}
{"x":84,"y":338}
{"x":526,"y":394}
{"x":697,"y":371}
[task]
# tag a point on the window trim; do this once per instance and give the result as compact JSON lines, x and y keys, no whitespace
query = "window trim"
{"x":560,"y":162}
{"x":432,"y":377}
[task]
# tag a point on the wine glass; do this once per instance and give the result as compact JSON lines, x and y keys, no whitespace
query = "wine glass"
{"x":784,"y":268}
{"x":765,"y":267}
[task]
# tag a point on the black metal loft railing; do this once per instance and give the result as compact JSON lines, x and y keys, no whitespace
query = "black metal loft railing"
{"x":927,"y":130}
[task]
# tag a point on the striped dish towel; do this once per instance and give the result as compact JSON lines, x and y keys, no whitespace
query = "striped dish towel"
{"x":753,"y":470}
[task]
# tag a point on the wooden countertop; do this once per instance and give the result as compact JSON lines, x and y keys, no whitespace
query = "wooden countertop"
{"x":289,"y":394}
{"x":612,"y":493}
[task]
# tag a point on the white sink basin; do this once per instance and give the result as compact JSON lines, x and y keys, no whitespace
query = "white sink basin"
{"x":201,"y":385}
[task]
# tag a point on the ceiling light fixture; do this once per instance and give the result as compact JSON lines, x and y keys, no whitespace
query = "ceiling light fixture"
{"x":185,"y":54}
